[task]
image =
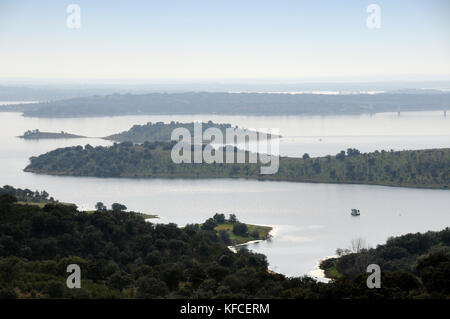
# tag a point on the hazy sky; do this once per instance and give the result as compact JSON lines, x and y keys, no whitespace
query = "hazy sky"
{"x":225,"y":39}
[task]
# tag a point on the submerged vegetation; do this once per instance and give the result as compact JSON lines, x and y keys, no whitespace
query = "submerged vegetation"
{"x":421,"y":168}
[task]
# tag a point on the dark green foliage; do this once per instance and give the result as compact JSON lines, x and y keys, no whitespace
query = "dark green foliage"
{"x":26,"y":195}
{"x":219,"y":218}
{"x":224,"y":236}
{"x":119,"y":280}
{"x":120,"y":254}
{"x":424,"y":168}
{"x":7,"y":293}
{"x":434,"y":270}
{"x":209,"y":224}
{"x":100,"y":206}
{"x":118,"y":207}
{"x":255,"y":234}
{"x":123,"y":256}
{"x":55,"y":289}
{"x":425,"y":256}
{"x":232,"y":219}
{"x":149,"y":288}
{"x":240,"y":229}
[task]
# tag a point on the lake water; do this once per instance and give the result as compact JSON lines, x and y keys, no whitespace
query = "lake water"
{"x":310,"y":220}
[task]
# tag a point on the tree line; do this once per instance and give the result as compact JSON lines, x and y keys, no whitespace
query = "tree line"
{"x":162,"y":132}
{"x":26,"y":194}
{"x":237,"y":103}
{"x":424,"y":255}
{"x":419,"y":168}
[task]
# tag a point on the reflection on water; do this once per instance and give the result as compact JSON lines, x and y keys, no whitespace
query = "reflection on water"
{"x":310,"y":220}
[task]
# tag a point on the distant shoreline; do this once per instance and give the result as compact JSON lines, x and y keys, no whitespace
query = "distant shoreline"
{"x":37,"y":135}
{"x":264,"y":104}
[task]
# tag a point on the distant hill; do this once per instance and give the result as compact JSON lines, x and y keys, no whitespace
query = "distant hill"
{"x":236,"y":103}
{"x":161,"y":132}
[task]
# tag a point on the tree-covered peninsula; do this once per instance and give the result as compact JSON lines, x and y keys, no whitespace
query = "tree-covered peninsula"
{"x":161,"y":132}
{"x":420,"y":168}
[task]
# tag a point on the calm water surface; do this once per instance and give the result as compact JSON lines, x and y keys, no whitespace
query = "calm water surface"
{"x":310,"y":220}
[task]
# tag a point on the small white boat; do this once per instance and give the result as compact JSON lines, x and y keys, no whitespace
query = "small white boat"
{"x":355,"y":212}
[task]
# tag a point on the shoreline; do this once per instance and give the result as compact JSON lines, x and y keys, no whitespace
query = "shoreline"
{"x":255,"y":114}
{"x":270,"y":235}
{"x":184,"y":177}
{"x":318,"y":273}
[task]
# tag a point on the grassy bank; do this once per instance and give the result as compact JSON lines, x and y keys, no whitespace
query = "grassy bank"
{"x":42,"y":203}
{"x":233,"y":232}
{"x":255,"y":232}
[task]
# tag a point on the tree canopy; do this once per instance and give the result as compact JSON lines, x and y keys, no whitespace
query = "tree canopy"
{"x":123,"y":256}
{"x":421,"y":168}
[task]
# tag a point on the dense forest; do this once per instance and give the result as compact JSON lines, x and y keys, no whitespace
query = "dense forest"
{"x":161,"y":132}
{"x":236,"y":103}
{"x":123,"y":256}
{"x":423,"y":168}
{"x":411,"y":253}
